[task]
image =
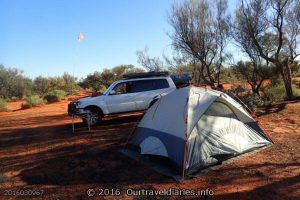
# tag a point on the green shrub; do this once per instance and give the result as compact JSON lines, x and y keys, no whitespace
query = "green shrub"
{"x":3,"y":105}
{"x":296,"y":90}
{"x":55,"y":96}
{"x":32,"y":101}
{"x":253,"y":102}
{"x":14,"y":83}
{"x":102,"y":89}
{"x":277,"y":92}
{"x":75,"y":92}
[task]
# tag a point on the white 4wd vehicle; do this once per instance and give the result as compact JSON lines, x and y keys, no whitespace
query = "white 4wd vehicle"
{"x":132,"y":94}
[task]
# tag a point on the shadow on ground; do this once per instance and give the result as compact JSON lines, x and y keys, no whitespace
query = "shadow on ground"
{"x":276,"y":190}
{"x":52,"y":155}
{"x":275,"y":108}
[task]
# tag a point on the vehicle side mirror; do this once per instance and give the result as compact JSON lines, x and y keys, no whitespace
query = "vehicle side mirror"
{"x":112,"y":92}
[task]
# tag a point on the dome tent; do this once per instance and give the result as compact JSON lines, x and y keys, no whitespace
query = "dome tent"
{"x":193,"y":128}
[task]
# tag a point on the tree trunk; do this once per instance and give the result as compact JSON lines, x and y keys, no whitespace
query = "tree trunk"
{"x":211,"y":79}
{"x":287,"y":79}
{"x":199,"y":76}
{"x":218,"y":76}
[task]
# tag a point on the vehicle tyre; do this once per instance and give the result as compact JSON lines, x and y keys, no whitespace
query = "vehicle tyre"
{"x":95,"y":117}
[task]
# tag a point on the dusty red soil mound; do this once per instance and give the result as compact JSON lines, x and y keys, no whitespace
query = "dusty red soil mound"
{"x":39,"y":152}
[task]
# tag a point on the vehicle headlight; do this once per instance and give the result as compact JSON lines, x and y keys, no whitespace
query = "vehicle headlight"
{"x":78,"y":103}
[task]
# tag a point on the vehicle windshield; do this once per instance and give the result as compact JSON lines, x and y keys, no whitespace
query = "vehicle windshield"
{"x":108,"y":89}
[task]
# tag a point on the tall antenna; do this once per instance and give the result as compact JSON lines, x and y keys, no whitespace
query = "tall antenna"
{"x":80,"y":38}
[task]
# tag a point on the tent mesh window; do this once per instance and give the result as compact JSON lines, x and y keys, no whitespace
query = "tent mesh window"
{"x":221,"y":110}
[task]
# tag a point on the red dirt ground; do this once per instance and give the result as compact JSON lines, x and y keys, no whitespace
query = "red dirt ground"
{"x":39,"y":152}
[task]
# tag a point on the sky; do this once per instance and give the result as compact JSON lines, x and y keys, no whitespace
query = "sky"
{"x":40,"y":36}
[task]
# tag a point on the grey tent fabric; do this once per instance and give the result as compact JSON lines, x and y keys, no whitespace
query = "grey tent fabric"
{"x":191,"y":129}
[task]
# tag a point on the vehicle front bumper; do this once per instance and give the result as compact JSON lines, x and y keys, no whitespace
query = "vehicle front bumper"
{"x":73,"y":109}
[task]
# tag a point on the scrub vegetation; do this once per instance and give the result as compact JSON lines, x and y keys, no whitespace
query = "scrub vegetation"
{"x":267,"y":33}
{"x":3,"y":105}
{"x":33,"y":101}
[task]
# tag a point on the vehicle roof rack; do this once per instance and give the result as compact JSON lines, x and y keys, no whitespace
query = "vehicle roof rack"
{"x":145,"y":75}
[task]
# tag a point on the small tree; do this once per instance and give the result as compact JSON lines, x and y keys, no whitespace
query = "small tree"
{"x":13,"y":83}
{"x":41,"y":85}
{"x":254,"y":75}
{"x":107,"y":77}
{"x":201,"y":30}
{"x":56,"y":82}
{"x":272,"y":28}
{"x":23,"y":87}
{"x":92,"y":81}
{"x":118,"y":71}
{"x":70,"y":82}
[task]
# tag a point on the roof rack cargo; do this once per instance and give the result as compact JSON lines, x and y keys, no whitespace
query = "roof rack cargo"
{"x":145,"y":75}
{"x":181,"y":78}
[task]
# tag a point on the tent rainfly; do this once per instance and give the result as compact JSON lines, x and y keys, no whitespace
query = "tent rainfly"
{"x":191,"y":129}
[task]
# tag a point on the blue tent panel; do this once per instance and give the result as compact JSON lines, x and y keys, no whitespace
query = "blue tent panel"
{"x":170,"y":142}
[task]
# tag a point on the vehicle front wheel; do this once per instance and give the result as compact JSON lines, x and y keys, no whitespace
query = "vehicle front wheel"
{"x":94,"y":117}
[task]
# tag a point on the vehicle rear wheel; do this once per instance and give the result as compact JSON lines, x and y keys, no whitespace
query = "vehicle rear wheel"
{"x":95,"y":117}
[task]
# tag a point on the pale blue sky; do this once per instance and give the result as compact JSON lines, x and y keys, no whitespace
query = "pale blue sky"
{"x":40,"y":36}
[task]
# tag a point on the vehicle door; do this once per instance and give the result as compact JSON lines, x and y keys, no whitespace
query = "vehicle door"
{"x":121,"y":98}
{"x":146,"y":90}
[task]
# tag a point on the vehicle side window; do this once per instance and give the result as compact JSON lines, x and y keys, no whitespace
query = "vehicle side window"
{"x":160,"y":84}
{"x":123,"y":88}
{"x":147,"y":85}
{"x":141,"y":86}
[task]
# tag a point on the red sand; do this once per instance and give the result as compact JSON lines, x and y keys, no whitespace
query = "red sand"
{"x":39,"y":152}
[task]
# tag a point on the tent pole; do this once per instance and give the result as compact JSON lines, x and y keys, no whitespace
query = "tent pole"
{"x":134,"y":128}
